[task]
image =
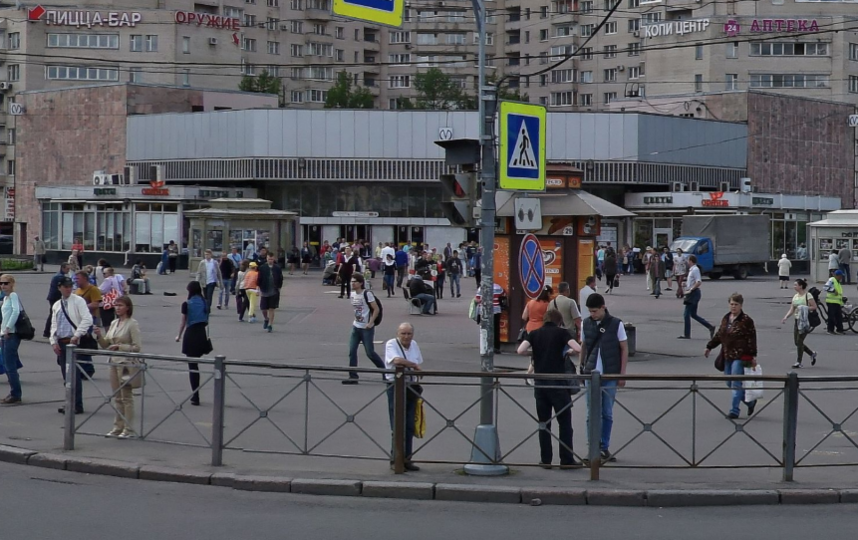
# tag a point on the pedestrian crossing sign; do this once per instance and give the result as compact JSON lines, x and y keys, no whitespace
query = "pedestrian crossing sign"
{"x":386,"y":12}
{"x":522,"y":146}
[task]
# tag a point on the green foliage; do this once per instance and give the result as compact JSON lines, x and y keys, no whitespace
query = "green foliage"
{"x":438,"y":91}
{"x":343,"y":96}
{"x":262,"y":84}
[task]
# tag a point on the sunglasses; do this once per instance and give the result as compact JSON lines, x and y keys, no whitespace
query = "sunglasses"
{"x":4,"y":282}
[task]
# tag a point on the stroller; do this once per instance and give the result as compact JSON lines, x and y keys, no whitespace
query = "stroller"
{"x":329,"y":276}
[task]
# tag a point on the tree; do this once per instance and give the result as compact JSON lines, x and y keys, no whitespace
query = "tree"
{"x":342,"y":96}
{"x":504,"y":92}
{"x":438,"y":91}
{"x":262,"y":84}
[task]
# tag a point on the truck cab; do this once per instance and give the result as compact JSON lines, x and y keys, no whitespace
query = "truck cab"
{"x":698,"y":246}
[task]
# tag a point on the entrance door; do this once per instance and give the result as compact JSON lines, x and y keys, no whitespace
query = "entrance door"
{"x":663,"y":238}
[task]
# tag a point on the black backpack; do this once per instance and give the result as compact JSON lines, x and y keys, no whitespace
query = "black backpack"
{"x":380,"y":308}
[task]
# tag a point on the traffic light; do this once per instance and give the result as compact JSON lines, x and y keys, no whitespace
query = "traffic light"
{"x":459,"y":198}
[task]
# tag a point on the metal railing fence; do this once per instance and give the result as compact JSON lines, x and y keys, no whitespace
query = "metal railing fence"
{"x":675,"y":420}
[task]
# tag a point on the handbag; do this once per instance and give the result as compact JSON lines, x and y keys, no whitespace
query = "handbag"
{"x":208,"y":347}
{"x":23,"y":326}
{"x":719,"y":361}
{"x":813,"y":316}
{"x":616,"y":282}
{"x":753,"y":389}
{"x":522,"y":335}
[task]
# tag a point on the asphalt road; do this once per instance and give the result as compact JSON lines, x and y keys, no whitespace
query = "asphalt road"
{"x":56,"y":505}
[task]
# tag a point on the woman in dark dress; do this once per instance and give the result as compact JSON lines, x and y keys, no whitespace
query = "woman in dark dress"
{"x":195,"y":319}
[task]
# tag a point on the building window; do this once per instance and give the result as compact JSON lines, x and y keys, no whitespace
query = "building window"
{"x":273,"y":47}
{"x":83,"y":41}
{"x":248,"y":44}
{"x":789,"y":49}
{"x":10,"y":136}
{"x":271,"y":23}
{"x":586,"y":76}
{"x":274,"y":71}
{"x":400,"y":81}
{"x":634,"y":73}
{"x":295,"y":74}
{"x":320,"y":29}
{"x":585,"y":100}
{"x":339,"y":55}
{"x":634,"y":3}
{"x":399,"y":58}
{"x":587,"y":53}
{"x":733,"y":49}
{"x":490,"y":38}
{"x":731,"y":81}
{"x":610,"y":75}
{"x":561,"y":99}
{"x":635,"y":49}
{"x":297,"y":27}
{"x":186,"y":77}
{"x":320,"y":49}
{"x":10,"y":167}
{"x":153,"y":225}
{"x":562,"y":31}
{"x":609,"y":97}
{"x":296,"y":96}
{"x":233,"y":12}
{"x":698,"y":52}
{"x":400,"y":37}
{"x":610,"y":51}
{"x":339,"y":32}
{"x":249,"y":20}
{"x":562,"y":76}
{"x":151,"y":43}
{"x":611,"y":28}
{"x":273,"y":3}
{"x":853,"y":84}
{"x":296,"y":50}
{"x":14,"y":41}
{"x":853,"y":51}
{"x":586,"y":30}
{"x":543,"y":35}
{"x":186,"y":45}
{"x":634,"y":25}
{"x":698,"y":83}
{"x":135,"y":75}
{"x":136,"y":43}
{"x":798,"y":80}
{"x":561,"y":52}
{"x":543,"y":12}
{"x":455,"y":39}
{"x":249,"y":1}
{"x":320,"y":73}
{"x":586,"y":7}
{"x":296,"y":4}
{"x":317,"y":96}
{"x":13,"y":72}
{"x":427,"y":39}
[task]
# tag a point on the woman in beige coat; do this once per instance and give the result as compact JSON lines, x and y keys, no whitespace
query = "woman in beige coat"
{"x":123,"y":335}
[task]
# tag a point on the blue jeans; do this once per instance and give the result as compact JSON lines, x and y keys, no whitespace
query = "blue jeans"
{"x":454,"y":282}
{"x":208,"y":291}
{"x":692,"y":300}
{"x":11,"y":359}
{"x":223,"y":297}
{"x":428,"y":302}
{"x":609,"y":394}
{"x":735,"y":367}
{"x":388,"y":282}
{"x":366,"y":336}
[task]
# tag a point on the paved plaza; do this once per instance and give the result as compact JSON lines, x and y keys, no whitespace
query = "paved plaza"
{"x":652,"y":420}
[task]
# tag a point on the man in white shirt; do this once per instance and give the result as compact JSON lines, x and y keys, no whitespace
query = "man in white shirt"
{"x":403,"y":351}
{"x":388,"y":250}
{"x":692,"y":299}
{"x":367,"y":310}
{"x":71,"y":320}
{"x":209,"y":276}
{"x":588,"y":289}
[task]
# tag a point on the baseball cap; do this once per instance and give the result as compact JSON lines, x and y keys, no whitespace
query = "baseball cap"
{"x":66,"y":282}
{"x":253,"y":265}
{"x":839,"y":273}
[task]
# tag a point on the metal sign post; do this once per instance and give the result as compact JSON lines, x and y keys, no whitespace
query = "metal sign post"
{"x":485,"y":455}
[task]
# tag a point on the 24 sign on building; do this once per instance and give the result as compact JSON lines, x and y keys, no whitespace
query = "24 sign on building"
{"x":66,"y":17}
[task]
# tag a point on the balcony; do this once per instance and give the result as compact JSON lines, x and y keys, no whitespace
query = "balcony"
{"x":313,"y":14}
{"x":371,"y":45}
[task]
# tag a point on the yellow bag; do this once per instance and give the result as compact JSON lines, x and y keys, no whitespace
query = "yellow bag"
{"x":419,"y":420}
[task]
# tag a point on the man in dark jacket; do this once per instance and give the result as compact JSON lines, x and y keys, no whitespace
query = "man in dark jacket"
{"x":54,"y":294}
{"x":419,"y":289}
{"x":270,"y":283}
{"x":401,"y":259}
{"x":605,"y":349}
{"x":550,"y":343}
{"x":454,"y":272}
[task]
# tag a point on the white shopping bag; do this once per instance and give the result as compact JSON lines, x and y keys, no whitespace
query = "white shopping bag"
{"x":753,"y":389}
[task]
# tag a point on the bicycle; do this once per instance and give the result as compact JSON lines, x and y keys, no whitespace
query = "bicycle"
{"x":850,"y":314}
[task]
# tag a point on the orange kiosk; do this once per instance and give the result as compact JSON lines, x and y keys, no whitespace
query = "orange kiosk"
{"x":571,"y":220}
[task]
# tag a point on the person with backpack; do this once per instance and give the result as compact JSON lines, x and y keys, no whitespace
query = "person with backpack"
{"x":804,"y":307}
{"x":368,"y":313}
{"x":667,"y":261}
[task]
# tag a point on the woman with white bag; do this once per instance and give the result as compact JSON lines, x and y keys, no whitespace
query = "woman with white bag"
{"x":737,"y":337}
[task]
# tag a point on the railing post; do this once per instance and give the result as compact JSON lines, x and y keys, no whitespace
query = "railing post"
{"x":790,"y":424}
{"x":218,"y":410}
{"x":594,"y":423}
{"x":399,"y":421}
{"x":71,"y":389}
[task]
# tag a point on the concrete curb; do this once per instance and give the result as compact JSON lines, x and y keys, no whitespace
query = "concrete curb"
{"x":430,"y":490}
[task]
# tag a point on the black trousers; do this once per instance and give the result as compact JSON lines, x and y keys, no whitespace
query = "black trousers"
{"x":172,"y":263}
{"x":345,"y":285}
{"x":835,"y":317}
{"x":47,"y":332}
{"x":559,"y":401}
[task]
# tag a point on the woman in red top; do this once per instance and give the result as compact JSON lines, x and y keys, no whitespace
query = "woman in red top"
{"x":534,"y":311}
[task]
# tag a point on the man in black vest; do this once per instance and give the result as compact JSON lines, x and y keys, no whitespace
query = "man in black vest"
{"x":605,"y":350}
{"x":550,"y":343}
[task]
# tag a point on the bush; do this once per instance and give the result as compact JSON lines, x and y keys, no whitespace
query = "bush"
{"x":16,"y":264}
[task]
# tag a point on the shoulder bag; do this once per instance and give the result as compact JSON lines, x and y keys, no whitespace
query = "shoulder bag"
{"x":86,"y":342}
{"x":23,"y":326}
{"x":812,"y":315}
{"x":419,"y":413}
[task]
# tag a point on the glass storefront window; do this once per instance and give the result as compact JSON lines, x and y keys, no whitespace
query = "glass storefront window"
{"x":778,"y":237}
{"x":642,"y":233}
